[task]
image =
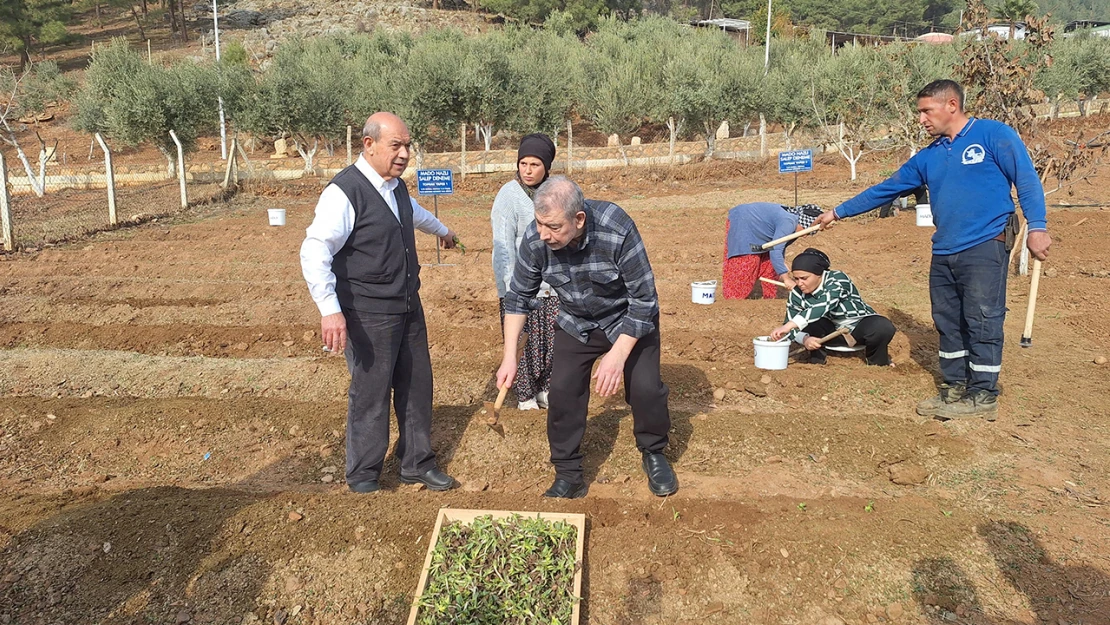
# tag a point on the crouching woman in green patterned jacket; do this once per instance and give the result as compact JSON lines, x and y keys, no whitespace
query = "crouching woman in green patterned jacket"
{"x":825,"y":300}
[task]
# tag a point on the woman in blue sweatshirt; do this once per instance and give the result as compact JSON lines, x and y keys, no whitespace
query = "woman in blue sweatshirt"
{"x":970,"y":168}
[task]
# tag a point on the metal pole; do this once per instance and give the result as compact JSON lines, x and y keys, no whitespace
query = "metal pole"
{"x":219,"y":98}
{"x":795,"y":189}
{"x":767,"y":42}
{"x":435,"y":205}
{"x":5,"y":208}
{"x":109,"y":179}
{"x":181,"y":170}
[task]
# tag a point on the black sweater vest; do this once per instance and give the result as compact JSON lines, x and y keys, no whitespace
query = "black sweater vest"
{"x":376,"y":271}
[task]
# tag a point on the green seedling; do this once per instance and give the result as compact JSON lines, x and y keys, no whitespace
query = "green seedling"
{"x":870,"y":507}
{"x":674,"y":515}
{"x":946,"y":513}
{"x":802,"y":506}
{"x":513,"y":570}
{"x":458,"y":244}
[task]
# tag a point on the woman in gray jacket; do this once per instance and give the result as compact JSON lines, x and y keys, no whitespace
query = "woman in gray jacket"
{"x":512,"y":213}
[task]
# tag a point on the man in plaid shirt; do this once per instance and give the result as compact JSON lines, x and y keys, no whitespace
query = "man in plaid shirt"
{"x":591,"y":254}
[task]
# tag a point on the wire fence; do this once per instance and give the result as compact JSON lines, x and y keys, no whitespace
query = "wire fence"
{"x":62,"y":203}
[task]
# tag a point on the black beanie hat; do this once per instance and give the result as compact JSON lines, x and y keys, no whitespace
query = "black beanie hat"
{"x":812,"y":260}
{"x":540,"y":146}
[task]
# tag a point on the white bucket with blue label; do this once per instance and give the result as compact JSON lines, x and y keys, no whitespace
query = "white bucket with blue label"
{"x":703,"y":292}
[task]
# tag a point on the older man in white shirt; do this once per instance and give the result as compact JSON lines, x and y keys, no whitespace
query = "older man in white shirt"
{"x":359,"y":259}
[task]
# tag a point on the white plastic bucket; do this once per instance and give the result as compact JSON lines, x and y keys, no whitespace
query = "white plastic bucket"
{"x":770,"y":354}
{"x":925,"y":215}
{"x":703,"y":292}
{"x":277,"y":216}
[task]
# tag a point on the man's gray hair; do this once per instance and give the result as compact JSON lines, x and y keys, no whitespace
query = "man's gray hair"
{"x":372,"y":129}
{"x":559,"y":193}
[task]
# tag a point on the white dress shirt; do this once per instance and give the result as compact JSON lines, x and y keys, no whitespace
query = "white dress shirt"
{"x":335,"y":218}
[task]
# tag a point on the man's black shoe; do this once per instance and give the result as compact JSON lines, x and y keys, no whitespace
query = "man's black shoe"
{"x":434,"y":479}
{"x":370,"y":486}
{"x":661,"y":479}
{"x":563,"y":489}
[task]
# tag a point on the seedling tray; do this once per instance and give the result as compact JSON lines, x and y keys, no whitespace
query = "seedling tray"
{"x":450,"y":515}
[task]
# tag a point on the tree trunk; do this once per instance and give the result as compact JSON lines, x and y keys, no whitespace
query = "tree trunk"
{"x":97,"y":9}
{"x":710,"y":140}
{"x":144,"y":8}
{"x":173,"y":16}
{"x":309,"y":156}
{"x":142,"y":33}
{"x":487,"y":135}
{"x":184,"y":29}
{"x":25,"y":54}
{"x":171,"y":166}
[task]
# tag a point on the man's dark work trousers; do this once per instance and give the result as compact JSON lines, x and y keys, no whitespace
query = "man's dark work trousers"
{"x":569,"y":397}
{"x":968,"y":293}
{"x":384,"y":352}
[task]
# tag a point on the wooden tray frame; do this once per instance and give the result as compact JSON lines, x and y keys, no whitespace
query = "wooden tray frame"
{"x":448,"y":515}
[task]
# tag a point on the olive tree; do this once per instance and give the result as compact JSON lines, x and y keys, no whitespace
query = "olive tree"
{"x":614,"y":92}
{"x":548,"y":68}
{"x":428,"y":92}
{"x":303,"y":94}
{"x":133,"y":102}
{"x":851,"y":101}
{"x":787,"y":86}
{"x":712,"y":80}
{"x":489,"y":85}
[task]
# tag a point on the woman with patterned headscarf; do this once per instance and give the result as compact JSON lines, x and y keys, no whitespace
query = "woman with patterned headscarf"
{"x":512,"y":213}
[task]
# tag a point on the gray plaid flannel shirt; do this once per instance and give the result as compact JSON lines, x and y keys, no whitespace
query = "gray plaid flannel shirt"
{"x":604,"y":283}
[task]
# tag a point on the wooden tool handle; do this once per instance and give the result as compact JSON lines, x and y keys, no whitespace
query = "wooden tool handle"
{"x":500,"y":398}
{"x":791,"y":237}
{"x":774,"y":282}
{"x":1027,"y":336}
{"x":839,"y":332}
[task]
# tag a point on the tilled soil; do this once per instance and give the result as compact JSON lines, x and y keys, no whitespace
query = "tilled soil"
{"x":171,"y":435}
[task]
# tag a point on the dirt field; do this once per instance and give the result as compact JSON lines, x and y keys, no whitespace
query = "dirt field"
{"x":166,"y":407}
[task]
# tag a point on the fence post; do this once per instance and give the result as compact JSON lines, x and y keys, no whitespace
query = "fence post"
{"x":462,"y":154}
{"x":5,"y":208}
{"x":231,"y":161}
{"x":109,"y":180}
{"x":570,"y":148}
{"x":350,"y":156}
{"x":762,"y":136}
{"x":180,"y":170}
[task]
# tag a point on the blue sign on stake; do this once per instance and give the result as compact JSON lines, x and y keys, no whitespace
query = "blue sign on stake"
{"x":795,"y":161}
{"x":434,"y":182}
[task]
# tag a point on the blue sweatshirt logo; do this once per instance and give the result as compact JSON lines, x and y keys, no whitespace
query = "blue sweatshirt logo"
{"x":974,"y":154}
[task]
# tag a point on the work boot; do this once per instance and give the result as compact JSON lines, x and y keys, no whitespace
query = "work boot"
{"x":949,"y":394}
{"x":978,"y":403}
